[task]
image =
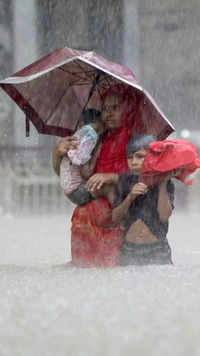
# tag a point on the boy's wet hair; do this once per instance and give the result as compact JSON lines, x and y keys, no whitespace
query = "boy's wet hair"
{"x":89,"y":116}
{"x":139,"y":142}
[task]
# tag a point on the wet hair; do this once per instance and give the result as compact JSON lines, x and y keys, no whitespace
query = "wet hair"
{"x":90,"y":116}
{"x":139,"y":142}
{"x":125,"y":94}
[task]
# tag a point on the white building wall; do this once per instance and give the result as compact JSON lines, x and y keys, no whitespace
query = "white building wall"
{"x":131,"y":36}
{"x":25,"y":52}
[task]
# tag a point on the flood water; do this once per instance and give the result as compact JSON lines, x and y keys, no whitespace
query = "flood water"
{"x":49,"y":309}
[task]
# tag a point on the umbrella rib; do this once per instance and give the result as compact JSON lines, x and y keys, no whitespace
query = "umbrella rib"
{"x":98,"y":90}
{"x":55,"y":107}
{"x":106,"y":84}
{"x":83,"y":83}
{"x":92,"y":72}
{"x":82,"y":69}
{"x":76,"y":74}
{"x":79,"y":78}
{"x":106,"y":80}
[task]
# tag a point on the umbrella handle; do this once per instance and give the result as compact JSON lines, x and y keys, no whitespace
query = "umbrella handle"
{"x":99,"y":74}
{"x":27,"y":127}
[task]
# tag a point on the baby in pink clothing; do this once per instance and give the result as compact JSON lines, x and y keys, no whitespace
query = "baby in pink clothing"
{"x":71,"y":179}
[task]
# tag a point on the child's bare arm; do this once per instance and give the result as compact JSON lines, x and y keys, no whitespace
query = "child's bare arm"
{"x":121,"y":210}
{"x":164,"y":206}
{"x":88,"y":168}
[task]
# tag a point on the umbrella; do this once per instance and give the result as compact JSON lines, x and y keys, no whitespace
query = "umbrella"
{"x":53,"y":92}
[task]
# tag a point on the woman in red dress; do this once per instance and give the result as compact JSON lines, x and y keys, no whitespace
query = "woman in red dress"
{"x":95,"y":241}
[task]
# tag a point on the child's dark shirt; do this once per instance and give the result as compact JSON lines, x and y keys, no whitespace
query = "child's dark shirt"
{"x":144,"y":207}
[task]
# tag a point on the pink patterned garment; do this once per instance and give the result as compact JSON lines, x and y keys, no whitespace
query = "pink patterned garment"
{"x":88,"y":139}
{"x":70,"y":177}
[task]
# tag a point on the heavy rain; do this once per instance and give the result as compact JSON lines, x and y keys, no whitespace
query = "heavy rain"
{"x":47,"y":306}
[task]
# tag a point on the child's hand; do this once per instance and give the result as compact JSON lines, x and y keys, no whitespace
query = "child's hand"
{"x":67,"y":143}
{"x":138,"y":189}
